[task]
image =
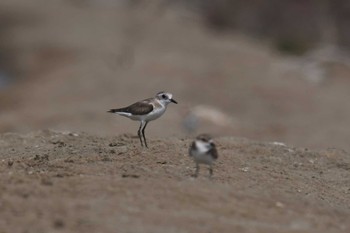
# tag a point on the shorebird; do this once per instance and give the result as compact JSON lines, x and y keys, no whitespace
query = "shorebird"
{"x":145,"y":111}
{"x":203,"y":151}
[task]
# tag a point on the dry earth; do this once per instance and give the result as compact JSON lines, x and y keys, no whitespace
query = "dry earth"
{"x":78,"y":182}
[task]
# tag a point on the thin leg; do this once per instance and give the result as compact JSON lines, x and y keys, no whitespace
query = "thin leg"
{"x":197,"y":170}
{"x":211,"y":170}
{"x":139,"y":133}
{"x":143,"y":134}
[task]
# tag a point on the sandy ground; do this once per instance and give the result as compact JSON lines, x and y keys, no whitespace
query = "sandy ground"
{"x":78,"y":182}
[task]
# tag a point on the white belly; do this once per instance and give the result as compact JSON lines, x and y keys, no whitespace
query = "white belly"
{"x":156,"y":113}
{"x":204,"y":158}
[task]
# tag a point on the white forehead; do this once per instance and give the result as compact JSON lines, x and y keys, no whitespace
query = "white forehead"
{"x":165,"y":93}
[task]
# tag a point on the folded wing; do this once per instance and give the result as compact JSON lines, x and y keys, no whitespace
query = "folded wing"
{"x":139,"y":108}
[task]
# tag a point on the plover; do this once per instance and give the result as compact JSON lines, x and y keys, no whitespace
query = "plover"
{"x":203,"y":151}
{"x":145,"y":111}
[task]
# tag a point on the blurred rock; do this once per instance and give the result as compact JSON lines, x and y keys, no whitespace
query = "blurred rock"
{"x":204,"y":114}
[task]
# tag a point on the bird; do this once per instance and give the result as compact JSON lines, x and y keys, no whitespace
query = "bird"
{"x":203,"y":151}
{"x":145,"y":111}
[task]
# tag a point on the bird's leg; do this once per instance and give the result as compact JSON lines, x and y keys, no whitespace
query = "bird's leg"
{"x":211,"y":170}
{"x":139,"y":133}
{"x":143,"y":134}
{"x":197,"y":170}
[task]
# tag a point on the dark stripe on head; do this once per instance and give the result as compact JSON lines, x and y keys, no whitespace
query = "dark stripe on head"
{"x":204,"y":137}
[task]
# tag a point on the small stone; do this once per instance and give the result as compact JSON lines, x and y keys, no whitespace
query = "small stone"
{"x":69,"y":160}
{"x":116,"y":144}
{"x":46,"y":181}
{"x":278,"y":143}
{"x":106,"y":159}
{"x":58,"y":223}
{"x":130,"y":176}
{"x":73,"y":134}
{"x":279,"y":204}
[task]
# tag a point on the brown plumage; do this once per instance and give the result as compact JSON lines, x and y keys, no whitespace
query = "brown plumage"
{"x":138,"y":108}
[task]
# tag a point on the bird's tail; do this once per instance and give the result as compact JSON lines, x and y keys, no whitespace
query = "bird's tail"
{"x":115,"y":110}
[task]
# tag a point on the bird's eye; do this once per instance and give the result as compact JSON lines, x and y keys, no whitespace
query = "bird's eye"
{"x":164,"y":96}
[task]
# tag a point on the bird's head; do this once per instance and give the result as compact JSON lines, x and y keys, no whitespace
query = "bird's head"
{"x":165,"y":97}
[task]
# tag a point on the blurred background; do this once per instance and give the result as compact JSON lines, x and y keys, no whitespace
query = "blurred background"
{"x":267,"y":70}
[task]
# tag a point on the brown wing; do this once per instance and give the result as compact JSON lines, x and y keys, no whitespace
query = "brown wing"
{"x":213,"y":151}
{"x":138,"y":108}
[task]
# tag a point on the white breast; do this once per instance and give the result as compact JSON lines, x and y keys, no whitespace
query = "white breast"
{"x":202,"y":147}
{"x":158,"y":110}
{"x":200,"y":155}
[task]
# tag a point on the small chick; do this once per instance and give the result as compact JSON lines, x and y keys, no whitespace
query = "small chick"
{"x":203,"y":151}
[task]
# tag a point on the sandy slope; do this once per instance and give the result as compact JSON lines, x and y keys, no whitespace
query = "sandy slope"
{"x":67,"y":182}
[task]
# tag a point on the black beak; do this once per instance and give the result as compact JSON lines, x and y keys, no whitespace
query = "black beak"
{"x":172,"y":100}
